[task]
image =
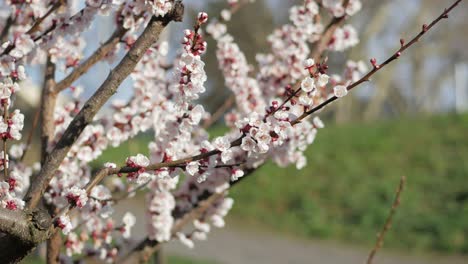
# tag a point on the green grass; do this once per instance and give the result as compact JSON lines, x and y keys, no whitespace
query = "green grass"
{"x":347,"y":188}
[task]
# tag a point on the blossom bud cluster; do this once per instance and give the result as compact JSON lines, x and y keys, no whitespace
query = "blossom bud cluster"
{"x":190,"y":66}
{"x":236,"y":71}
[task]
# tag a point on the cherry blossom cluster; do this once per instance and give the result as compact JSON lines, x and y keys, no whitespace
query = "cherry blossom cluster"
{"x":190,"y":66}
{"x":337,"y":8}
{"x":236,"y":72}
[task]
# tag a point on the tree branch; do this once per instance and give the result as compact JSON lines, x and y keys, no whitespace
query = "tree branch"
{"x":38,"y":22}
{"x":6,"y":29}
{"x":23,"y":230}
{"x":48,"y":102}
{"x":321,"y":45}
{"x":388,"y":221}
{"x":99,"y":98}
{"x":97,"y":56}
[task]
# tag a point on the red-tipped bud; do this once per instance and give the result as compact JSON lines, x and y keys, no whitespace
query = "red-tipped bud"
{"x":373,"y":61}
{"x":402,"y":42}
{"x":202,"y":17}
{"x":424,"y":28}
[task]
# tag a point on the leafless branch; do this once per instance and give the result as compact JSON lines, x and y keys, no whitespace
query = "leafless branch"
{"x":237,"y":142}
{"x":388,"y":221}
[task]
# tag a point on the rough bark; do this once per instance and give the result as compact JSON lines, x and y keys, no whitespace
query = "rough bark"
{"x":48,"y":102}
{"x":22,"y":232}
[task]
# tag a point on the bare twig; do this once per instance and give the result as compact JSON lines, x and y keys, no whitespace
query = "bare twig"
{"x":47,"y":131}
{"x":6,"y":162}
{"x":99,"y":98}
{"x":388,"y":221}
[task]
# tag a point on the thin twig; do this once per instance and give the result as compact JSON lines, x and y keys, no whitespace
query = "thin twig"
{"x":6,"y":162}
{"x":388,"y":221}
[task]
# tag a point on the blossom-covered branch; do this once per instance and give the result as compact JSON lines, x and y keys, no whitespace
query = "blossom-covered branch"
{"x":99,"y":98}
